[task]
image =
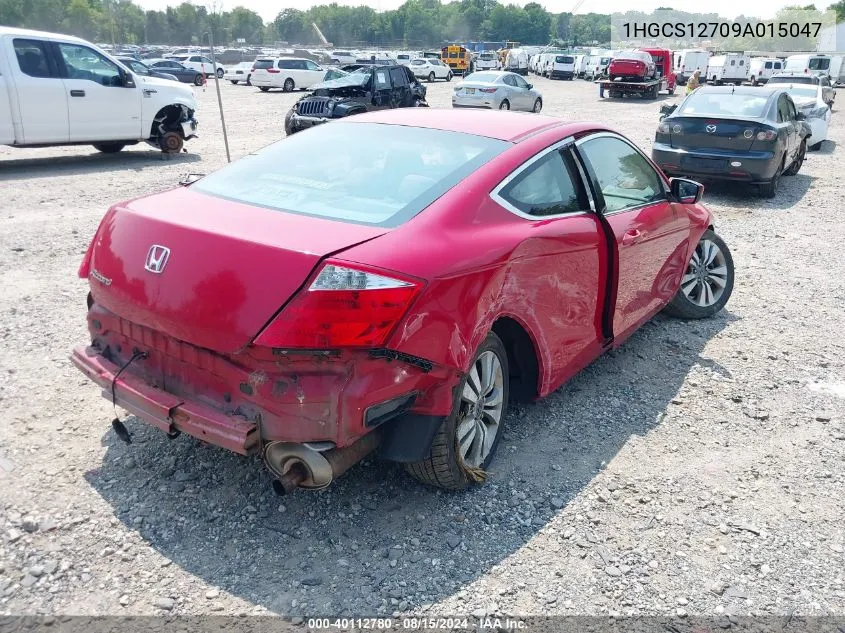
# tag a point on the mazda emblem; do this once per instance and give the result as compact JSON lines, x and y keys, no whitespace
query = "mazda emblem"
{"x":711,"y":128}
{"x":157,"y":258}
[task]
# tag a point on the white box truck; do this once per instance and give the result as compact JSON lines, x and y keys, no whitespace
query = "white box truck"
{"x":761,"y":68}
{"x":818,"y":64}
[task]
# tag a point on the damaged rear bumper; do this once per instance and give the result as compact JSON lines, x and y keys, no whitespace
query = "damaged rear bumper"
{"x":165,"y":410}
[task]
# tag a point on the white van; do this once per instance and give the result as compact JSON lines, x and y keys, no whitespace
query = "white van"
{"x":287,"y":73}
{"x":61,"y":90}
{"x":596,"y":66}
{"x":581,"y":62}
{"x":517,"y":61}
{"x":829,"y":65}
{"x":559,"y":66}
{"x":730,"y":68}
{"x":487,"y":60}
{"x":761,"y":68}
{"x":343,"y":57}
{"x":686,"y":62}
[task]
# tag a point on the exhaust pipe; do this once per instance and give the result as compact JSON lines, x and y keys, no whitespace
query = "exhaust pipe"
{"x":299,"y":466}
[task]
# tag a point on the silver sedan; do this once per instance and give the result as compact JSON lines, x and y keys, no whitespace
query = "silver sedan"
{"x":496,"y":90}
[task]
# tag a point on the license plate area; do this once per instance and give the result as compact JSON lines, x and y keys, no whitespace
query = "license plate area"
{"x":704,"y":164}
{"x":469,"y":91}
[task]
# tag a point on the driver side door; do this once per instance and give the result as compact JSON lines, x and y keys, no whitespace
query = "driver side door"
{"x":381,"y":88}
{"x":651,"y":233}
{"x":100,"y":107}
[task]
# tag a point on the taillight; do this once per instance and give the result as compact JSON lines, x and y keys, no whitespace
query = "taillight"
{"x":767,"y":135}
{"x":487,"y":90}
{"x":274,"y":71}
{"x":663,"y":128}
{"x":344,"y":306}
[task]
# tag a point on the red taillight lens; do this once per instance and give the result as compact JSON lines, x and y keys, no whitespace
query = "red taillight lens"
{"x":487,"y":90}
{"x":344,"y":306}
{"x":274,"y":71}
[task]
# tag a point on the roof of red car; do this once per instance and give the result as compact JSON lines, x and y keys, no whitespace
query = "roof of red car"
{"x":505,"y":126}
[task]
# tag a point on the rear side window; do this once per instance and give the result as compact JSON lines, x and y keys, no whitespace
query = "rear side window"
{"x":625,"y":177}
{"x":550,"y":186}
{"x":399,"y":77}
{"x":32,"y":58}
{"x":263,"y":63}
{"x":286,"y":64}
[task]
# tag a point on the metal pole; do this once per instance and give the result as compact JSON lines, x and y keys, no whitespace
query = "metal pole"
{"x":219,"y":98}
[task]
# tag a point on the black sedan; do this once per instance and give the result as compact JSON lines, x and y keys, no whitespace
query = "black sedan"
{"x":140,"y":68}
{"x":745,"y":134}
{"x":182,"y":73}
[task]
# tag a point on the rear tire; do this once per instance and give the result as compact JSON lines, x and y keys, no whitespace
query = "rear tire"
{"x":109,"y":148}
{"x":754,"y":81}
{"x":431,"y":77}
{"x":263,"y":88}
{"x":198,"y":79}
{"x":220,"y":73}
{"x":289,"y":85}
{"x":505,"y":105}
{"x":234,"y":82}
{"x":447,"y":466}
{"x":770,"y":189}
{"x":799,"y":160}
{"x":717,"y":276}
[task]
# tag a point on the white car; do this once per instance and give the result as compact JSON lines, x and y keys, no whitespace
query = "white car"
{"x":287,"y":73}
{"x":431,"y":69}
{"x":240,"y":73}
{"x":809,"y":99}
{"x":200,"y":63}
{"x":343,"y":57}
{"x":497,"y":90}
{"x":487,"y":60}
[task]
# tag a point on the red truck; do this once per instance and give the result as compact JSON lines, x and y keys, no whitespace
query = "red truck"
{"x":645,"y":72}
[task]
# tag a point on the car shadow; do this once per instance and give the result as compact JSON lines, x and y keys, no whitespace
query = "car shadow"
{"x":364,"y":544}
{"x":52,"y":166}
{"x":792,"y":189}
{"x":828,"y":147}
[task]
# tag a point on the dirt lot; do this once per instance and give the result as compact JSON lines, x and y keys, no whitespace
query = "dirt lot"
{"x":698,"y":470}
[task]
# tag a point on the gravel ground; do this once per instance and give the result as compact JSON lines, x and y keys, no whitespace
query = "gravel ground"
{"x":697,"y":470}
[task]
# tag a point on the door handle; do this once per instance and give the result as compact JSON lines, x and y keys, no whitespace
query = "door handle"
{"x":77,"y":93}
{"x":631,"y":237}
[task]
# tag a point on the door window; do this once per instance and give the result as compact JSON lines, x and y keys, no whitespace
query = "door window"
{"x":206,"y":60}
{"x":510,"y":80}
{"x":196,"y":59}
{"x":520,"y":82}
{"x":791,"y":109}
{"x":32,"y":58}
{"x":399,"y":77}
{"x":550,"y":186}
{"x":626,"y":179}
{"x":768,"y":65}
{"x":382,"y":80}
{"x":311,"y":65}
{"x":783,"y":109}
{"x":777,"y":66}
{"x":85,"y":63}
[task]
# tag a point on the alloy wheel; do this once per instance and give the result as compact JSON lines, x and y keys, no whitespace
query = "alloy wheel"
{"x":481,"y":409}
{"x":706,"y":275}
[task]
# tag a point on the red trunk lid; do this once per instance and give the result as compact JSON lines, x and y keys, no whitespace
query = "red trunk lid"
{"x":230,"y":268}
{"x":627,"y":67}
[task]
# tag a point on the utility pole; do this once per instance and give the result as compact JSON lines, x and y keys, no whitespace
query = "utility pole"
{"x":219,"y":97}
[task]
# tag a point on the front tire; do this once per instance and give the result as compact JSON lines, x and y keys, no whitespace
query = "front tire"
{"x":198,"y":79}
{"x":708,"y":280}
{"x":234,"y":82}
{"x":538,"y":105}
{"x":449,"y":77}
{"x":109,"y":148}
{"x":467,"y":440}
{"x":171,"y":142}
{"x":288,"y":85}
{"x":263,"y":88}
{"x":505,"y":105}
{"x":431,"y":77}
{"x":220,"y":73}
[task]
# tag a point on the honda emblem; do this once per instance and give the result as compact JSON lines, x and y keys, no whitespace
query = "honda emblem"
{"x":157,"y":258}
{"x":711,"y":128}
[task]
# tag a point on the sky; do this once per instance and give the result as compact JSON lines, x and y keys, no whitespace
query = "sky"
{"x":269,"y":9}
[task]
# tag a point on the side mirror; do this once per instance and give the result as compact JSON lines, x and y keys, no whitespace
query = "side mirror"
{"x":128,"y":80}
{"x":800,"y":116}
{"x":686,"y":191}
{"x":530,"y":86}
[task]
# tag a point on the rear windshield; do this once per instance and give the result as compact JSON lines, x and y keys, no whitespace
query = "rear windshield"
{"x":794,"y":80}
{"x":819,"y":63}
{"x":483,"y":77}
{"x":724,"y":104}
{"x":487,"y":56}
{"x":563,"y":59}
{"x":366,"y":173}
{"x":263,"y":63}
{"x":802,"y":91}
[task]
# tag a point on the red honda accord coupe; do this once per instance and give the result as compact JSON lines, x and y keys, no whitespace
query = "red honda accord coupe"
{"x":389,"y":282}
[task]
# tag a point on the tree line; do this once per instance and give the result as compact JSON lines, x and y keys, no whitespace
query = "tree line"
{"x":416,"y":23}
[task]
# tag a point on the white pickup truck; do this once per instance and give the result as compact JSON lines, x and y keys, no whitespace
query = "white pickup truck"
{"x":61,"y":90}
